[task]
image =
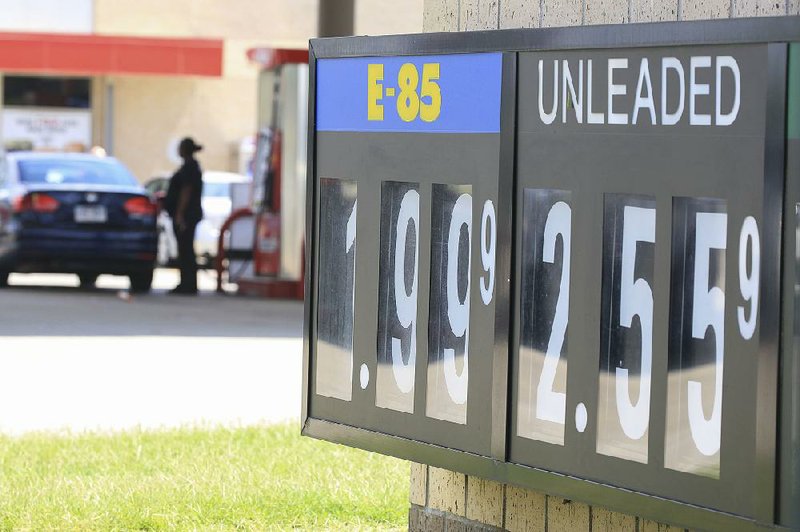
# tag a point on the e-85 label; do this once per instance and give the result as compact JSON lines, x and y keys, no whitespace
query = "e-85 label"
{"x":414,"y":97}
{"x":410,"y":94}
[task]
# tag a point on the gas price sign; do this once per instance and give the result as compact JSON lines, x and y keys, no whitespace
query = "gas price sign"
{"x":408,"y":159}
{"x":559,"y":268}
{"x":644,"y":354}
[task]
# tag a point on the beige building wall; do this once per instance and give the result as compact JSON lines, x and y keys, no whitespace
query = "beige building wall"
{"x":444,"y":500}
{"x":383,"y":18}
{"x":151,"y":112}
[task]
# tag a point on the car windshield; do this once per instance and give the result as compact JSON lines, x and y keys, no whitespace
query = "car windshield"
{"x":216,"y":190}
{"x":74,"y":172}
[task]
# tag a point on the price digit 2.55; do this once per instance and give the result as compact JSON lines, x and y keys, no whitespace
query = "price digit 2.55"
{"x":708,"y":312}
{"x":626,"y":334}
{"x":636,"y":299}
{"x":551,"y":405}
{"x":544,"y":313}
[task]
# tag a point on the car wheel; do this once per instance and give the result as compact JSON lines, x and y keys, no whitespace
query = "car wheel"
{"x":141,"y":282}
{"x":87,"y":279}
{"x":4,"y":279}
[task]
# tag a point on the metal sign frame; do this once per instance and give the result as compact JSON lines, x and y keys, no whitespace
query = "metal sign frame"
{"x":775,"y":465}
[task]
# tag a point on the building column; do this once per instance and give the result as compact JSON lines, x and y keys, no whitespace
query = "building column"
{"x":443,"y":500}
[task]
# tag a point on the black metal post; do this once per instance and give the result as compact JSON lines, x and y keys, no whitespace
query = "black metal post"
{"x":336,"y":18}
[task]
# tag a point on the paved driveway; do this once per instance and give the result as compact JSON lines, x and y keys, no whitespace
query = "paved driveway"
{"x":73,"y":359}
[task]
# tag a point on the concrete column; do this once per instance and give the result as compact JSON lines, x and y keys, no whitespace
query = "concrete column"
{"x":759,"y":8}
{"x":440,"y":15}
{"x":558,"y":13}
{"x":478,"y":15}
{"x":525,"y":510}
{"x":654,"y":10}
{"x":445,"y":500}
{"x":418,"y":493}
{"x":607,"y":521}
{"x":335,"y":18}
{"x":606,"y":12}
{"x":447,"y":491}
{"x":645,"y":525}
{"x":519,"y":14}
{"x":704,"y":9}
{"x":485,"y":501}
{"x":564,"y":515}
{"x":98,"y":106}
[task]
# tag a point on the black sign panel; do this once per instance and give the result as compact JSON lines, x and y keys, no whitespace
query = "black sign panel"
{"x":404,"y":345}
{"x":653,"y":148}
{"x":556,"y":266}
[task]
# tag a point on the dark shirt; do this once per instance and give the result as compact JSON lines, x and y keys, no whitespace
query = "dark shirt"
{"x":188,"y":175}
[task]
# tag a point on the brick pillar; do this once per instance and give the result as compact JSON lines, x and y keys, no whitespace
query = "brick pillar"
{"x":442,"y":500}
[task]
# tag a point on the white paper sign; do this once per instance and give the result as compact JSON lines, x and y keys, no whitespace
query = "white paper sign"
{"x":47,"y":129}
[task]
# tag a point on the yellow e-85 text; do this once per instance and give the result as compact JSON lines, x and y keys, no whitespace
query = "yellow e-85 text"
{"x":427,"y":104}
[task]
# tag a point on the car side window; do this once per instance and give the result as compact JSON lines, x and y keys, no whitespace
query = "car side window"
{"x":156,"y":186}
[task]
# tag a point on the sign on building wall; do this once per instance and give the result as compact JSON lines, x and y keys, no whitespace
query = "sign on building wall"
{"x":46,"y":128}
{"x":558,"y":266}
{"x":408,"y":168}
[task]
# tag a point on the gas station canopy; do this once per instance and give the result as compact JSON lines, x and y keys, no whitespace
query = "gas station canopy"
{"x":109,"y":54}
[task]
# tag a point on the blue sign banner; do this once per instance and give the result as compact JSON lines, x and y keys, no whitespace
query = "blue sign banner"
{"x":415,"y":94}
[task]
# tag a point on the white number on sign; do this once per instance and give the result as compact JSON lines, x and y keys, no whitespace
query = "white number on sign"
{"x":708,"y":311}
{"x":405,"y":299}
{"x":488,"y":250}
{"x":749,"y":284}
{"x":551,"y":405}
{"x":350,"y":242}
{"x":457,"y":310}
{"x":636,"y":299}
{"x":351,"y":228}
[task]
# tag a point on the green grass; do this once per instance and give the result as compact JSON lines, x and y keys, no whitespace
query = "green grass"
{"x":197,"y":479}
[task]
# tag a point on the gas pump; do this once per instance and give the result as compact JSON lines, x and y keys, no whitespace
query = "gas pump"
{"x":279,"y":175}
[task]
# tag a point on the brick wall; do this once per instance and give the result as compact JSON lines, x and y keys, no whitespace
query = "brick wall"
{"x":442,"y":500}
{"x":465,"y":15}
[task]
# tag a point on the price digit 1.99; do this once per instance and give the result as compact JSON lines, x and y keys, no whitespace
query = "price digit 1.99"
{"x":405,"y":297}
{"x":451,"y":296}
{"x":458,"y":310}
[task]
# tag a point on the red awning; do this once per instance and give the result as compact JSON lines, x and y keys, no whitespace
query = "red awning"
{"x":55,"y":53}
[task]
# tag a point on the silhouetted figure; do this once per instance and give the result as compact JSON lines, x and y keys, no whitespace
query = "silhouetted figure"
{"x":183,"y":205}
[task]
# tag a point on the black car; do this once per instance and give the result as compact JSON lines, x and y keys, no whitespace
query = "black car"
{"x":75,"y":213}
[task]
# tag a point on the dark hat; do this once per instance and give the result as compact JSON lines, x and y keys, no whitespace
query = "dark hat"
{"x":188,"y":143}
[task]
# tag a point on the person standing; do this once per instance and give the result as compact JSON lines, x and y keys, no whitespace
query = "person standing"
{"x":183,"y":205}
